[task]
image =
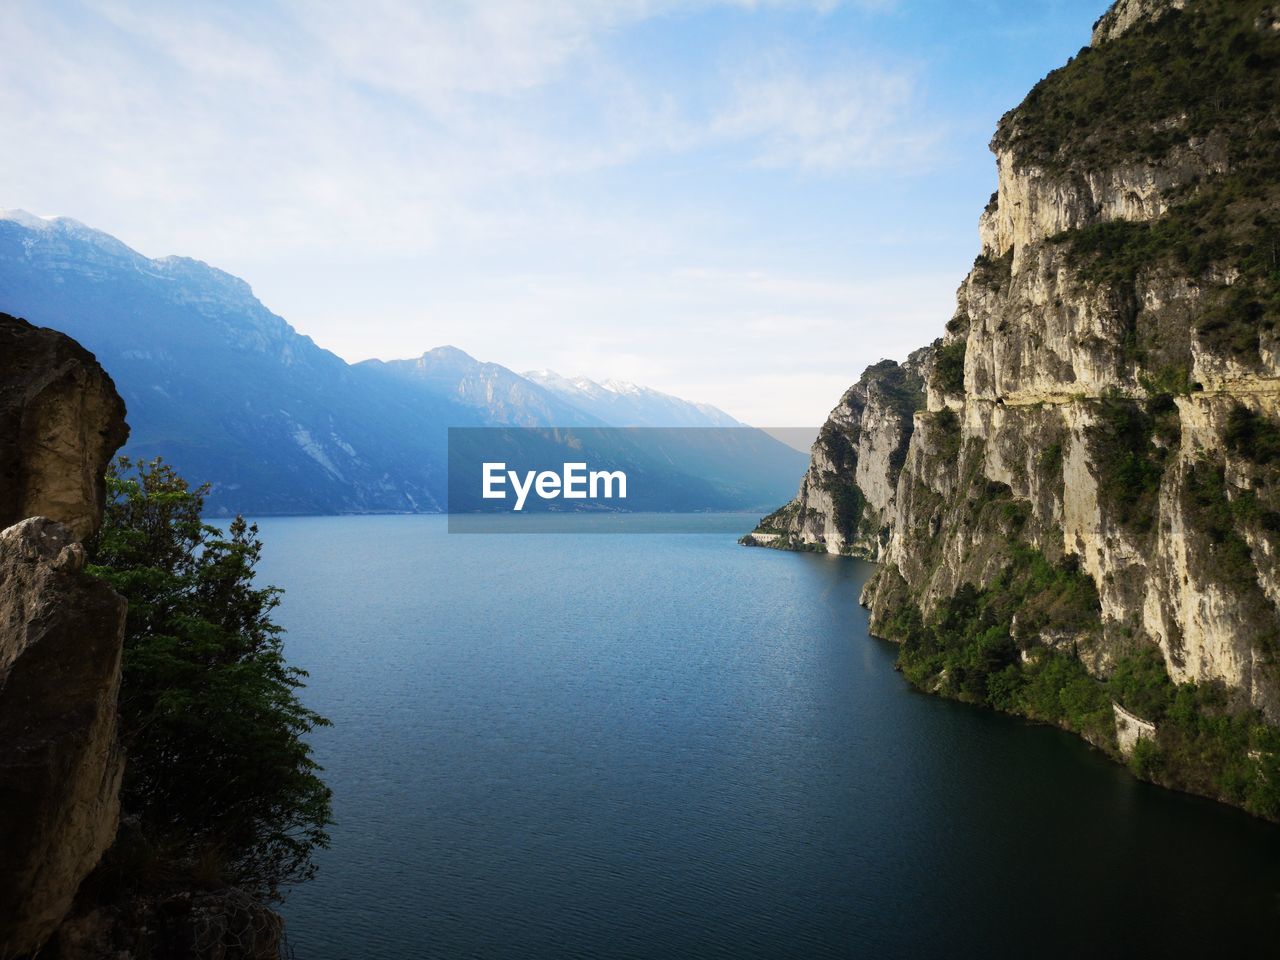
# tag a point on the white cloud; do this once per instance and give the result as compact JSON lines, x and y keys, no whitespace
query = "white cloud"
{"x":289,"y":142}
{"x":835,"y":119}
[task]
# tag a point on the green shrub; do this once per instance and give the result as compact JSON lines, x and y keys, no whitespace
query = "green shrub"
{"x":1206,"y":495}
{"x":1129,"y":463}
{"x":993,"y":272}
{"x":1251,"y":435}
{"x":848,"y":504}
{"x":1140,"y":683}
{"x":947,"y":433}
{"x":948,"y":366}
{"x":1051,"y":458}
{"x":218,"y":771}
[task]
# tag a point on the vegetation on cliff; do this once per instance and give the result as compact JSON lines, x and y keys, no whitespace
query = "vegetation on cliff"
{"x":219,"y":777}
{"x":1091,"y":511}
{"x":983,"y":646}
{"x":1208,"y":70}
{"x":1140,"y":99}
{"x":1130,"y":442}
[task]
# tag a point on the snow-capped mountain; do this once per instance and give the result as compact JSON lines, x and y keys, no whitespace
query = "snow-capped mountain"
{"x":500,"y":395}
{"x":232,"y":394}
{"x":223,"y":388}
{"x":624,"y":404}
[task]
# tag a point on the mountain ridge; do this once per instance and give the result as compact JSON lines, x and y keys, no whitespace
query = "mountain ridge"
{"x":230,"y":392}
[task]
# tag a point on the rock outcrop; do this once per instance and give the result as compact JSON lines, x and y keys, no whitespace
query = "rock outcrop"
{"x":60,"y":763}
{"x":1104,"y":407}
{"x":61,"y":421}
{"x":61,"y":630}
{"x":1126,"y":13}
{"x":846,"y":497}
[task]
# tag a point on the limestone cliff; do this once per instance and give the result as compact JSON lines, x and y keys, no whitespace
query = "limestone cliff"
{"x":61,"y":421}
{"x":60,"y":631}
{"x":61,"y":640}
{"x":1093,"y":475}
{"x":846,"y":497}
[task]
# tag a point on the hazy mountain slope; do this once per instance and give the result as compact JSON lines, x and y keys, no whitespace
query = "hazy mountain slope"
{"x":230,"y":393}
{"x":498,"y":394}
{"x":222,"y":387}
{"x":625,"y":404}
{"x":1080,"y":518}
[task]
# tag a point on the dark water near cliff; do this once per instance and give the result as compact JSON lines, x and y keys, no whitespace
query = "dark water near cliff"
{"x":672,"y":746}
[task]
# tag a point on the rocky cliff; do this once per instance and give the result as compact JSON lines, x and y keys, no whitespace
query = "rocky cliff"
{"x":61,"y":421}
{"x":60,"y":630}
{"x":61,"y":640}
{"x":846,"y":498}
{"x":1084,"y":511}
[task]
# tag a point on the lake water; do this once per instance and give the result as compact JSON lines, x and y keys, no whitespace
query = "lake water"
{"x":663,"y":746}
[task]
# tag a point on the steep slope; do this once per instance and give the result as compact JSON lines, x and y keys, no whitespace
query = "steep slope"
{"x":845,"y":501}
{"x":1085,"y":525}
{"x":222,"y":387}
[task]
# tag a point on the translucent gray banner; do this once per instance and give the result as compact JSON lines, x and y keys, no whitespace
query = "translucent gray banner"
{"x":620,"y":479}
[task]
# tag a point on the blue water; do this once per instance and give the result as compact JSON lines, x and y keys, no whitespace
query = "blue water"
{"x":662,"y":746}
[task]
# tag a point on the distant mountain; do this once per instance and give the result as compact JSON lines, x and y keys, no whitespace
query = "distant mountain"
{"x":222,"y":387}
{"x":229,"y":392}
{"x":625,"y":404}
{"x":498,"y":394}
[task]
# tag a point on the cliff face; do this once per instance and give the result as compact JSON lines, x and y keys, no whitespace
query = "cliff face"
{"x":1104,"y":407}
{"x":61,"y":640}
{"x":61,"y":421}
{"x":846,"y":497}
{"x":60,"y":763}
{"x":60,"y":631}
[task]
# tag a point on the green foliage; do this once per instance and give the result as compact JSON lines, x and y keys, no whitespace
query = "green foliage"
{"x":1173,"y":380}
{"x":1203,"y":743}
{"x":902,"y":389}
{"x":218,"y":771}
{"x":1230,"y":222}
{"x":1140,"y":683}
{"x":958,"y":325}
{"x":948,"y":366}
{"x":1206,"y":495}
{"x":1145,"y":759}
{"x":1233,"y":317}
{"x":946,"y":433}
{"x":1129,"y":462}
{"x":1135,"y":98}
{"x":1051,"y":458}
{"x":1154,"y":88}
{"x":1223,"y":555}
{"x":968,"y":649}
{"x":1057,"y":689}
{"x":847,"y":499}
{"x":993,"y":272}
{"x":848,"y":504}
{"x":1251,"y":435}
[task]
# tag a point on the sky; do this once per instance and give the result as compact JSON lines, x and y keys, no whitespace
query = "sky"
{"x":742,"y":202}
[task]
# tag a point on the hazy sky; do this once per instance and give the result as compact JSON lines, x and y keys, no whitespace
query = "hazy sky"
{"x":743,"y":203}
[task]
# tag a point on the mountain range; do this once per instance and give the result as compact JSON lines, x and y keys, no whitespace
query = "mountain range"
{"x":233,"y":395}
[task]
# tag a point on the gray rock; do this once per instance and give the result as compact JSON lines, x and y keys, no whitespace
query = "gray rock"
{"x":61,"y":633}
{"x":61,"y":421}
